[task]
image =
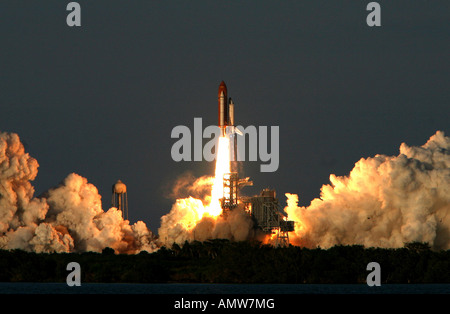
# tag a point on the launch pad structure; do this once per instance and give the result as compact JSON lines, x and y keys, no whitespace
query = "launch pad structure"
{"x":264,"y":208}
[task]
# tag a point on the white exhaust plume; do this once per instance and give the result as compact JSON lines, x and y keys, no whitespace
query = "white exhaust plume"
{"x":68,"y":218}
{"x":385,"y":201}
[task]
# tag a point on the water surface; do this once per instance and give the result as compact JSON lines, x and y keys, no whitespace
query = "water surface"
{"x":177,"y":288}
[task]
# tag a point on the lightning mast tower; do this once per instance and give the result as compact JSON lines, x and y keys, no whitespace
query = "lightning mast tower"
{"x":120,"y":198}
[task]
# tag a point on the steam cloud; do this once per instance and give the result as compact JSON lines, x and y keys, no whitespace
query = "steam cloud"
{"x":386,"y":201}
{"x":188,"y":219}
{"x":68,"y":218}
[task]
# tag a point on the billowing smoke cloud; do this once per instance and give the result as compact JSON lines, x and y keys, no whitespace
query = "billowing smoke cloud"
{"x":385,"y":201}
{"x":187,"y":185}
{"x":68,"y":218}
{"x":189,"y":220}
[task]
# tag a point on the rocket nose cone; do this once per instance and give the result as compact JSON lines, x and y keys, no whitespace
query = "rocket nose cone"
{"x":222,"y":88}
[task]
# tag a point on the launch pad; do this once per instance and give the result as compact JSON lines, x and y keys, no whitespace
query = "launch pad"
{"x":269,"y":217}
{"x":264,"y":209}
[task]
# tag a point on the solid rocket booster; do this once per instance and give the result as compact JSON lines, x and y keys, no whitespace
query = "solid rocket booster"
{"x":231,"y":123}
{"x":231,"y":113}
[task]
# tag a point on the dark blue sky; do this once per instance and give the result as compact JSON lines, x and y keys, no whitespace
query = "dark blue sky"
{"x":101,"y":100}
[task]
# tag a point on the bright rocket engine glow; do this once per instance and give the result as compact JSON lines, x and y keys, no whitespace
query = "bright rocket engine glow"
{"x":222,"y":167}
{"x":195,"y":219}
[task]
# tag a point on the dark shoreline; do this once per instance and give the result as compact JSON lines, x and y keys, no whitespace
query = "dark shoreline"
{"x":222,"y":261}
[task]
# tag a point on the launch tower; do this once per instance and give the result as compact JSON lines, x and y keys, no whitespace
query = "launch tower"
{"x":264,"y":209}
{"x":269,"y":217}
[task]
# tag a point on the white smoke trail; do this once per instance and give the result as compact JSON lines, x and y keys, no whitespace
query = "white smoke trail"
{"x":385,"y":201}
{"x":69,"y":218}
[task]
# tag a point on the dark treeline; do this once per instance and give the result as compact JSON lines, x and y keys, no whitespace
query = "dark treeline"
{"x":222,"y":261}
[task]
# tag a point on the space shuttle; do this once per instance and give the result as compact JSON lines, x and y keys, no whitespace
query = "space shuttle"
{"x":226,"y":111}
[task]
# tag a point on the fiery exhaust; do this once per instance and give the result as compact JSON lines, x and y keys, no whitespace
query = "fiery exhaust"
{"x":222,"y":166}
{"x":193,"y":218}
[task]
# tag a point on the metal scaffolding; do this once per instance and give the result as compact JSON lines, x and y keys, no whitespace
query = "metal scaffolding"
{"x":269,"y":218}
{"x":231,"y":186}
{"x":264,"y":209}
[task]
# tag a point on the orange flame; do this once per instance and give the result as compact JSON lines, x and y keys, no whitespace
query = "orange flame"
{"x":214,"y":209}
